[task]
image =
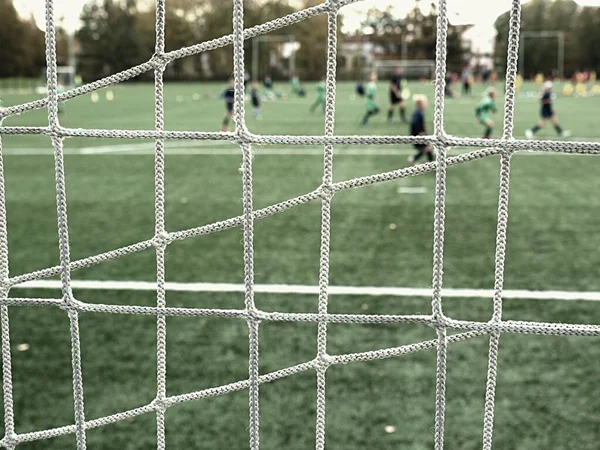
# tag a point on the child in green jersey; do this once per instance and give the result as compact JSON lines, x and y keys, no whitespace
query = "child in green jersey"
{"x":484,"y":111}
{"x":320,"y":100}
{"x":371,"y":95}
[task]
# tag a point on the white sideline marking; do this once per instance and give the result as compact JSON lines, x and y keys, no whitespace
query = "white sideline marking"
{"x":412,"y":190}
{"x":269,"y":151}
{"x":227,"y":148}
{"x":309,"y":289}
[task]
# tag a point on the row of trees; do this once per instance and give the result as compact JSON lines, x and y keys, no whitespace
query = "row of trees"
{"x":581,"y":27}
{"x":117,"y":34}
{"x":417,"y":33}
{"x":22,"y":47}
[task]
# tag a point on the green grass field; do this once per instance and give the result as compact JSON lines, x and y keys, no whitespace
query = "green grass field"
{"x":548,"y":393}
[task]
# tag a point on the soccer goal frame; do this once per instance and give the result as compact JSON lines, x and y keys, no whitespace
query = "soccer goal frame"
{"x":558,"y":35}
{"x":282,"y":38}
{"x":65,"y":76}
{"x":412,"y":68}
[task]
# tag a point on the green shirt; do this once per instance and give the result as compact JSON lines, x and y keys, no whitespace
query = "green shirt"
{"x":295,"y":84}
{"x":321,"y":90}
{"x":370,"y":94}
{"x":486,"y":105}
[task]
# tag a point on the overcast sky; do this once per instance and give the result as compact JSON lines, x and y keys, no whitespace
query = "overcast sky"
{"x":482,"y":13}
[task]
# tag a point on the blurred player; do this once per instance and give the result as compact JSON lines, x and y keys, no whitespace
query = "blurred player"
{"x":255,"y":101}
{"x":396,"y":96}
{"x":60,"y":89}
{"x":296,"y":88}
{"x":268,"y":84}
{"x":486,"y":107}
{"x":417,"y":128}
{"x":371,"y":95}
{"x":320,"y":100}
{"x":229,"y":96}
{"x":448,"y":92}
{"x":518,"y":82}
{"x":466,"y":81}
{"x":547,"y":113}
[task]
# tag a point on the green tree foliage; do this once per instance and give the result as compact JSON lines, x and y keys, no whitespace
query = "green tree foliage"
{"x":311,"y":58}
{"x":587,"y":38}
{"x":582,"y":33}
{"x":108,"y":38}
{"x":418,"y":31}
{"x":117,"y":34}
{"x":21,"y":44}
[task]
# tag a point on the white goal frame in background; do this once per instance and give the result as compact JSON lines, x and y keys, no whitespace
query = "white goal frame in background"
{"x":280,"y":38}
{"x":558,"y":35}
{"x":325,"y":193}
{"x":412,"y":68}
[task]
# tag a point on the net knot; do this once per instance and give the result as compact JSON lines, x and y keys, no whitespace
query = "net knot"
{"x":68,"y":302}
{"x":55,"y":131}
{"x":439,"y":320}
{"x":159,"y":61}
{"x":243,"y":136}
{"x":326,"y":192}
{"x":161,"y":240}
{"x":334,"y":5}
{"x":9,"y":441}
{"x":254,"y":315}
{"x":324,"y":361}
{"x":441,"y":138}
{"x":159,"y":404}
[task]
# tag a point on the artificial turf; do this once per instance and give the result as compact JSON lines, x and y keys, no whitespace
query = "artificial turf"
{"x":547,"y":386}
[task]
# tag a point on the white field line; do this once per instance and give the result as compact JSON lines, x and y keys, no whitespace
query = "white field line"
{"x":226,"y":148}
{"x":412,"y":190}
{"x":312,"y":290}
{"x":270,"y":151}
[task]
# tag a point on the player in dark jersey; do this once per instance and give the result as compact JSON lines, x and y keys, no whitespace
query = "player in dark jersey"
{"x":448,"y":92}
{"x":417,"y":128}
{"x":547,"y":113}
{"x":396,"y":96}
{"x":255,"y":101}
{"x":466,"y":80}
{"x":229,"y":96}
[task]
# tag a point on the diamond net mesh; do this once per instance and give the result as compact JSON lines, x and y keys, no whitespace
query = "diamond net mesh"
{"x":504,"y":147}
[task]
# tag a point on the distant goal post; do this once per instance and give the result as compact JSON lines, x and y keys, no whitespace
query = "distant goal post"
{"x":560,"y":38}
{"x":415,"y":69}
{"x":288,"y":40}
{"x":65,"y":77}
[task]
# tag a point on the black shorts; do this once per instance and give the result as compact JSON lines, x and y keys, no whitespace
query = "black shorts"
{"x":420,"y":147}
{"x":394,"y":99}
{"x":547,"y":113}
{"x":229,"y":107}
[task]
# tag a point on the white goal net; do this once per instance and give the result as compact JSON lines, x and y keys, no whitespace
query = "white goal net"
{"x":444,"y":325}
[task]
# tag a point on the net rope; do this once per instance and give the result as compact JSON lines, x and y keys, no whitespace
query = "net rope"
{"x":504,"y":147}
